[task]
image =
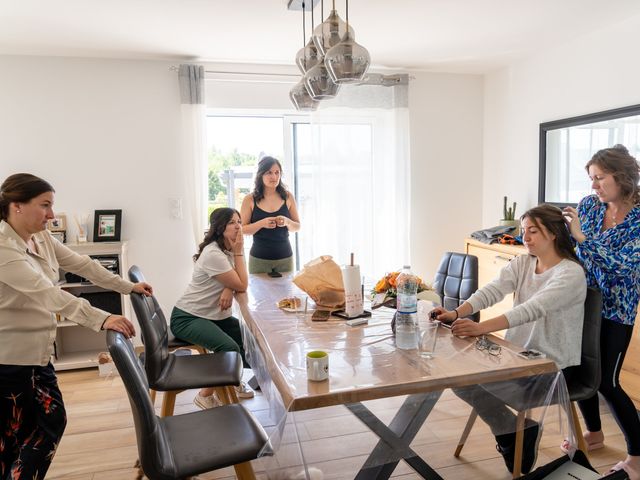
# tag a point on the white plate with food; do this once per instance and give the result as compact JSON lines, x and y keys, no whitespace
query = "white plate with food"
{"x":290,"y":304}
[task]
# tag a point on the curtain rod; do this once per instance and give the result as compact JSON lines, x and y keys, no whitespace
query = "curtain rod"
{"x":370,"y":79}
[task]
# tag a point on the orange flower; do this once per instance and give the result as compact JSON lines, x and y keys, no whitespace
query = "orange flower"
{"x":393,"y":277}
{"x":382,"y":285}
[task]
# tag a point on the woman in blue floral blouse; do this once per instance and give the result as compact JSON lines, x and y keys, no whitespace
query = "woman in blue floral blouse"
{"x":606,"y":227}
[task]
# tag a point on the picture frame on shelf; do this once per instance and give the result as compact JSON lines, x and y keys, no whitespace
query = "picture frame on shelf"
{"x":57,"y":224}
{"x":106,"y":225}
{"x":60,"y":236}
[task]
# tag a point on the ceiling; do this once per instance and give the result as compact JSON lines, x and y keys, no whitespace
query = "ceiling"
{"x":463,"y":36}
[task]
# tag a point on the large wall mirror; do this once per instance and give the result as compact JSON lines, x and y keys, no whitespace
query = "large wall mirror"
{"x":567,"y":145}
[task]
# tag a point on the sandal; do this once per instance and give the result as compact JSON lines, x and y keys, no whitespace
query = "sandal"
{"x":564,"y":447}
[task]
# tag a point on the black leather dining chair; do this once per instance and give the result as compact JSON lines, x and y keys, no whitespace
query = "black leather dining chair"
{"x":582,"y":380}
{"x":456,"y":280}
{"x":170,"y":373}
{"x":173,"y":343}
{"x":190,"y":444}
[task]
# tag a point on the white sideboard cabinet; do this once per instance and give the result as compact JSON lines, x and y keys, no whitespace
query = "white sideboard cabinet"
{"x":77,"y":346}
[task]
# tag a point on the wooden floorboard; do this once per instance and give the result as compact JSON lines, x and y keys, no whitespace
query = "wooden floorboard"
{"x":100,"y":444}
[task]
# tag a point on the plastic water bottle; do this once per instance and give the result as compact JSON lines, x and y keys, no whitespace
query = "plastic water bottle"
{"x":407,"y":310}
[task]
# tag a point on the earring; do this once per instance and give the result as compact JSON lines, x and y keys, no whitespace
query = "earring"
{"x":18,"y":210}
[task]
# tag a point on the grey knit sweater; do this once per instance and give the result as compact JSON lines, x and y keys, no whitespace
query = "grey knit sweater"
{"x":548,"y":308}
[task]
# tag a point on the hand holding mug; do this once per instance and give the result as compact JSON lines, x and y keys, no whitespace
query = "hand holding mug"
{"x":281,"y":221}
{"x":269,"y":222}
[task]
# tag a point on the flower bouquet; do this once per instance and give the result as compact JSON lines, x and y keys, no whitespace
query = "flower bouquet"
{"x":385,"y":292}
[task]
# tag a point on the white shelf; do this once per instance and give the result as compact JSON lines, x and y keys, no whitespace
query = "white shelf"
{"x":73,"y":360}
{"x":78,"y":346}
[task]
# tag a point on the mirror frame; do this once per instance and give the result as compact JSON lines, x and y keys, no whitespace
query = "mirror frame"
{"x":622,"y":112}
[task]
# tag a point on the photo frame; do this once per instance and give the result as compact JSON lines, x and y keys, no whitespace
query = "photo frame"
{"x":106,"y":225}
{"x":58,"y":224}
{"x":60,"y":236}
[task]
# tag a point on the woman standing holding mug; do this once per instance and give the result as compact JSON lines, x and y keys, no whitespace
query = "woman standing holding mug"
{"x":32,"y":413}
{"x":606,"y":227}
{"x":269,"y":213}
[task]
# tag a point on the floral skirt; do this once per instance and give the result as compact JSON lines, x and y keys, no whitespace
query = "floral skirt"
{"x":32,"y":420}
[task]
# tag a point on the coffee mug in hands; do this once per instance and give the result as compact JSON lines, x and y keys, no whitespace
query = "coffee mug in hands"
{"x":428,"y":337}
{"x":317,"y":366}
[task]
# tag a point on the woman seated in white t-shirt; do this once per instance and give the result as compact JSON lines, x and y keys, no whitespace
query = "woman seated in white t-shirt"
{"x":202,"y":315}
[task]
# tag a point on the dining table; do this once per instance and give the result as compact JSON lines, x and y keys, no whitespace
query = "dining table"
{"x":364,"y":365}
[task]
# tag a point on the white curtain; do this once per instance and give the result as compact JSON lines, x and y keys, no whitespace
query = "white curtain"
{"x":194,"y":145}
{"x":357,"y":193}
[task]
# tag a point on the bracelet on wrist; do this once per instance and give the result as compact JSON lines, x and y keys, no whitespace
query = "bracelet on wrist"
{"x":238,"y":254}
{"x":457,"y":314}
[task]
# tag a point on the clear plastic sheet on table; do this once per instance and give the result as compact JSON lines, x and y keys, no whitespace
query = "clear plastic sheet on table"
{"x":361,"y":359}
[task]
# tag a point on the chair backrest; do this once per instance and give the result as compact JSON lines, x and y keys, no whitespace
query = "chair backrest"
{"x":153,"y":326}
{"x":153,"y":446}
{"x":456,"y":280}
{"x":584,"y":379}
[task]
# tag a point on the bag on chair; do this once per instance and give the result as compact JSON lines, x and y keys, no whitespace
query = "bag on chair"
{"x":321,"y":279}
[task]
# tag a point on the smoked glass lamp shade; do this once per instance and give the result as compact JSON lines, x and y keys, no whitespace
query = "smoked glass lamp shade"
{"x":301,"y":99}
{"x":348,"y":61}
{"x":308,"y":57}
{"x":319,"y":83}
{"x":329,"y":32}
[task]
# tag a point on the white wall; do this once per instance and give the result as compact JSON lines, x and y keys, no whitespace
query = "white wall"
{"x":596,"y":72}
{"x":446,"y":114}
{"x":105,"y":134}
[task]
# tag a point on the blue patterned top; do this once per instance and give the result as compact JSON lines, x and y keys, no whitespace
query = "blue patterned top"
{"x":611,"y":259}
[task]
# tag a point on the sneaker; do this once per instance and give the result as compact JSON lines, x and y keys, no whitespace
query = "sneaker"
{"x":243,"y":391}
{"x":532,"y":434}
{"x":508,"y":454}
{"x":207,"y":402}
{"x":507,"y":446}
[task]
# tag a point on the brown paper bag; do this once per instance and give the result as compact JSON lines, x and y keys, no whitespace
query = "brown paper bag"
{"x":321,"y":279}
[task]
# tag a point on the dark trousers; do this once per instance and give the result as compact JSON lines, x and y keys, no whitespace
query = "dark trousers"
{"x":215,"y":335}
{"x":614,"y":341}
{"x":32,"y":420}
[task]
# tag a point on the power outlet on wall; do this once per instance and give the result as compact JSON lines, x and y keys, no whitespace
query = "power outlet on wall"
{"x":175,"y":208}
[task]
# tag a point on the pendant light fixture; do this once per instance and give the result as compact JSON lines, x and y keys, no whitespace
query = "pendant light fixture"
{"x":299,"y":94}
{"x":317,"y":79}
{"x":308,"y":56}
{"x":347,"y":61}
{"x":329,"y":32}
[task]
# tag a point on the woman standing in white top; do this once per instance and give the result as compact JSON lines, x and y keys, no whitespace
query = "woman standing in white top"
{"x":549,"y":288}
{"x":32,"y":413}
{"x":202,"y":315}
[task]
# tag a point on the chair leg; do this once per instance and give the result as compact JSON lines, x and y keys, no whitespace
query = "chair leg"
{"x":152,"y":396}
{"x":582,"y":443}
{"x":465,"y":433}
{"x":517,"y":459}
{"x":168,"y":403}
{"x":244,"y":471}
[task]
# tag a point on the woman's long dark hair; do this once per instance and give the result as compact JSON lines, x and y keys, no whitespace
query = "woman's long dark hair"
{"x":623,"y":166}
{"x":218,"y":221}
{"x":264,"y":165}
{"x":21,"y":188}
{"x":553,"y":220}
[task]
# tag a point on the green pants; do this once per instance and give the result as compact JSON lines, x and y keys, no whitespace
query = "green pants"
{"x":215,"y":335}
{"x":260,"y":265}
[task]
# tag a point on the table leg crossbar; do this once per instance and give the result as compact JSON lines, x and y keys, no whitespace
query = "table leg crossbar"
{"x":395,"y":440}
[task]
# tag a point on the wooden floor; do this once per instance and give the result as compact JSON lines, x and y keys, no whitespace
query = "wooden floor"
{"x":100,"y":444}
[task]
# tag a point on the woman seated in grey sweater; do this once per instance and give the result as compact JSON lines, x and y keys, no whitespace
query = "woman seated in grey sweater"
{"x":549,"y":288}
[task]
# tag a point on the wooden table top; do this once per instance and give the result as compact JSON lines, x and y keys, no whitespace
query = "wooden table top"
{"x":364,"y":363}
